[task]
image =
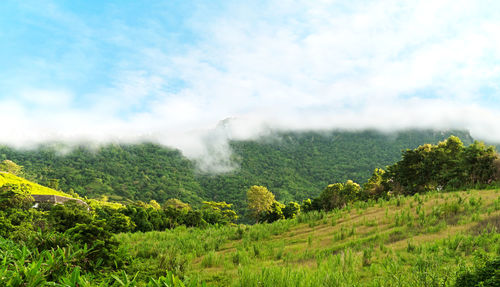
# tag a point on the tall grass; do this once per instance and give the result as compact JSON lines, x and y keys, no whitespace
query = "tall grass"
{"x":422,"y":240}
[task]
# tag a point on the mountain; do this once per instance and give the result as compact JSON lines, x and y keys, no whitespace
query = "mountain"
{"x":122,"y":172}
{"x":293,"y":165}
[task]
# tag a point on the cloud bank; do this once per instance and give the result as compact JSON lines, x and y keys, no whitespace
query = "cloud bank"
{"x":283,"y":65}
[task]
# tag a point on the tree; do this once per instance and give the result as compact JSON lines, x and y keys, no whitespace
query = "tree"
{"x":291,"y":210}
{"x":119,"y":222}
{"x":176,"y":203}
{"x":376,"y":186}
{"x":306,"y":205}
{"x":446,"y":165}
{"x":479,"y":162}
{"x":259,"y":201}
{"x":339,"y":194}
{"x":53,"y":183}
{"x":141,"y":220}
{"x":15,"y":196}
{"x":154,"y":204}
{"x":486,"y":274}
{"x":274,"y":213}
{"x":100,"y":241}
{"x":65,"y":216}
{"x":218,"y":212}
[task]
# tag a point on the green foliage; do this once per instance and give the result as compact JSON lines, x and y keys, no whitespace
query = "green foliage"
{"x":135,"y":172}
{"x":66,"y":266}
{"x":291,"y":210}
{"x":177,"y":204}
{"x":447,"y":165}
{"x":259,"y":201}
{"x":65,"y":216}
{"x":218,"y":213}
{"x":16,"y":216}
{"x":275,"y":212}
{"x":119,"y":222}
{"x":299,"y":165}
{"x":375,"y":187}
{"x":10,"y":167}
{"x":32,"y":188}
{"x":306,"y":205}
{"x":102,"y":245}
{"x":487,"y":275}
{"x":293,"y":165}
{"x":339,"y":194}
{"x":68,"y":244}
{"x":15,"y":196}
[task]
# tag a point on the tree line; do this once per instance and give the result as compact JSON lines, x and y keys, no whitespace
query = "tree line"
{"x":448,"y":165}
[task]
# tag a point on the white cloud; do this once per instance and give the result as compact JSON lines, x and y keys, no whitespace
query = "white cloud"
{"x":287,"y":65}
{"x":50,"y":99}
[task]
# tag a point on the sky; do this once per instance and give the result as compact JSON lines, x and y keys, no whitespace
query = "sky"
{"x":193,"y":74}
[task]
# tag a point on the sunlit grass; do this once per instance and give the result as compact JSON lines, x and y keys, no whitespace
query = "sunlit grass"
{"x":34,"y":188}
{"x":406,"y":241}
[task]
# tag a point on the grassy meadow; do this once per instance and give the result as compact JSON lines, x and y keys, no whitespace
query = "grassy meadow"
{"x":33,"y":188}
{"x":420,"y":240}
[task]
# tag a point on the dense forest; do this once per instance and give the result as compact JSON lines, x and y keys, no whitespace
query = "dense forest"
{"x":293,"y":165}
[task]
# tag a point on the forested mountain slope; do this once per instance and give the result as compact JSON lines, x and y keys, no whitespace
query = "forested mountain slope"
{"x":295,"y":166}
{"x":141,"y":172}
{"x":292,"y":165}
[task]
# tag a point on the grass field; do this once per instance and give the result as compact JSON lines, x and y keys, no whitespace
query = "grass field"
{"x":34,"y":188}
{"x":421,"y":240}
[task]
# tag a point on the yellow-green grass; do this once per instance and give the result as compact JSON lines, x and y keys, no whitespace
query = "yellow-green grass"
{"x":381,"y":240}
{"x":115,"y":205}
{"x":33,"y":188}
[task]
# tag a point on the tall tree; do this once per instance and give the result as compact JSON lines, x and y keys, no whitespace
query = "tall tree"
{"x":259,"y":200}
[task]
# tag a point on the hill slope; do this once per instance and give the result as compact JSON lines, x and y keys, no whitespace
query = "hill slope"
{"x":422,"y":240}
{"x":33,"y":188}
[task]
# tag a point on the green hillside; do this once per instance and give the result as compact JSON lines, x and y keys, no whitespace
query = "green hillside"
{"x":432,"y":239}
{"x":403,"y":227}
{"x":33,"y":188}
{"x":420,"y":240}
{"x":292,"y":165}
{"x":135,"y":172}
{"x":295,"y":166}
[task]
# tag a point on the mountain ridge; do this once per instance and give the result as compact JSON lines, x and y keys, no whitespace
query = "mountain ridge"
{"x":293,"y":165}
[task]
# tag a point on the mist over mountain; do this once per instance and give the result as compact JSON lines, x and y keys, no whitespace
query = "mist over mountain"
{"x":293,"y":165}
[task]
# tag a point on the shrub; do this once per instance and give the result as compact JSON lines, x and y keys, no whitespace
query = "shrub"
{"x":487,"y":275}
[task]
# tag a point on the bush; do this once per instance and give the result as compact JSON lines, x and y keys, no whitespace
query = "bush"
{"x":65,"y":216}
{"x":103,"y":246}
{"x":487,"y":275}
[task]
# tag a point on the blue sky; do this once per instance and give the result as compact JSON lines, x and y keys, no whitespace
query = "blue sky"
{"x":170,"y":71}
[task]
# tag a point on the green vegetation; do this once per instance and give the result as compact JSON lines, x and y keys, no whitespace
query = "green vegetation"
{"x":488,"y":274}
{"x":33,"y":188}
{"x":293,"y":166}
{"x":260,"y":200}
{"x":68,"y":244}
{"x":420,"y":240}
{"x":404,"y":227}
{"x":122,"y":173}
{"x":447,"y":165}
